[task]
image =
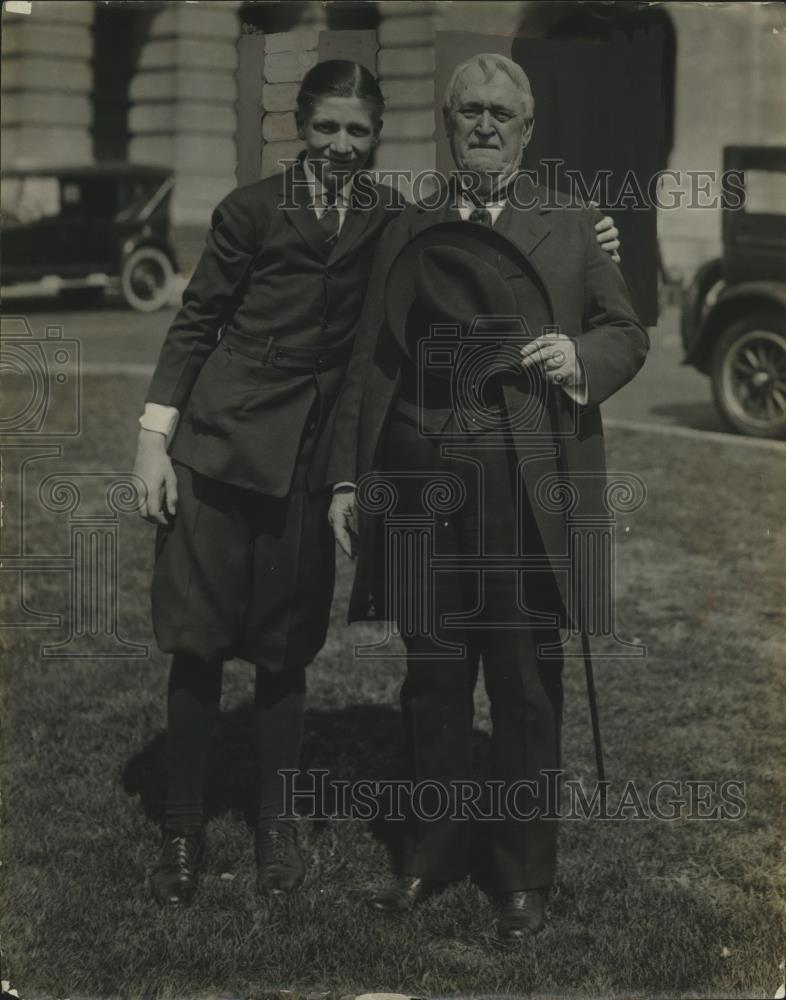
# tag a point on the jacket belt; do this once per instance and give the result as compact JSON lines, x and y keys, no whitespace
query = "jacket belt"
{"x":304,"y":359}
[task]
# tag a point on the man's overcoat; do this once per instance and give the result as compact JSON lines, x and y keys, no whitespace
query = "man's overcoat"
{"x":562,"y":462}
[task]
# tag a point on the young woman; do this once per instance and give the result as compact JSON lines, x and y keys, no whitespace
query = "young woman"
{"x":233,"y":452}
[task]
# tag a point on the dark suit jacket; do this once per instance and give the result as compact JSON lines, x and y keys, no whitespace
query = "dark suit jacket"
{"x":588,"y":301}
{"x":269,"y":279}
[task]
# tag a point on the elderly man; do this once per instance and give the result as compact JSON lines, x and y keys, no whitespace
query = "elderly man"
{"x":493,"y":327}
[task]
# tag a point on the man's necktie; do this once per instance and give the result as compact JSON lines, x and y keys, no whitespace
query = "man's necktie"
{"x":481,"y":215}
{"x":330,"y":221}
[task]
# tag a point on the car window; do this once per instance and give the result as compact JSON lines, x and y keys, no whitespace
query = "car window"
{"x":765,"y":192}
{"x":133,"y":195}
{"x":24,"y":200}
{"x":92,"y":198}
{"x":71,"y":197}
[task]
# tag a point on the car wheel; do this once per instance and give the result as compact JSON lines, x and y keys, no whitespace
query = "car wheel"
{"x":749,"y":375}
{"x":146,"y":279}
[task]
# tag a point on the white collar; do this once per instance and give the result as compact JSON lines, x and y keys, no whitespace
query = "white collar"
{"x":317,"y":191}
{"x":497,"y":202}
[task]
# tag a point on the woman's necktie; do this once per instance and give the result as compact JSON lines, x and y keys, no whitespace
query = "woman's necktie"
{"x":330,"y":221}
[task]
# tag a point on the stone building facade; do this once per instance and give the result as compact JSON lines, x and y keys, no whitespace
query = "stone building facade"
{"x":209,"y":88}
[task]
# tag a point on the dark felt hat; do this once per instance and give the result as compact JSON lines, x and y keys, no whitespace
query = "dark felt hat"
{"x":458,"y":275}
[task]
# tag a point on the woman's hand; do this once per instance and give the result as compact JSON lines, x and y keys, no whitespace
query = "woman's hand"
{"x":154,"y":467}
{"x":608,"y":236}
{"x":343,"y":519}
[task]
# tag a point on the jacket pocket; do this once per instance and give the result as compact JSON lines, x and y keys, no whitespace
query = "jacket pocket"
{"x":217,"y":397}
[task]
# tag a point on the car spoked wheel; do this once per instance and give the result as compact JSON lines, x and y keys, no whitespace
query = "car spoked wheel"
{"x":749,"y":376}
{"x":146,"y":279}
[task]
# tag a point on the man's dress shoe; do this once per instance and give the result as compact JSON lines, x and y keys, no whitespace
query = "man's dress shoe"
{"x":280,"y":867}
{"x":403,"y":895}
{"x":174,"y":879}
{"x":520,"y":915}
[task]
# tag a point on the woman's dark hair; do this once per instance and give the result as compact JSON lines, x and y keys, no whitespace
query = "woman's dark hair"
{"x":339,"y":78}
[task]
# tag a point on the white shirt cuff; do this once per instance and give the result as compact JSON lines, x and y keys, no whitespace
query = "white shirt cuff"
{"x":159,"y":418}
{"x":578,"y":392}
{"x":338,"y":486}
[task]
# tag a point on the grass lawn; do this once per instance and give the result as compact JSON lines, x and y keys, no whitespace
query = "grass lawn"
{"x":678,"y":908}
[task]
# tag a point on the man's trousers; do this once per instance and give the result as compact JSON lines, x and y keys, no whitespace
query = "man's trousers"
{"x":243,"y":574}
{"x":512,"y":623}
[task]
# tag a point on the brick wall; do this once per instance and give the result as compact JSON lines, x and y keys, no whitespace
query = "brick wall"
{"x":289,"y":55}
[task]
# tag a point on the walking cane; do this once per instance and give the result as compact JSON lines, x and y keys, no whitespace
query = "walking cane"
{"x":593,"y":706}
{"x":554,"y":412}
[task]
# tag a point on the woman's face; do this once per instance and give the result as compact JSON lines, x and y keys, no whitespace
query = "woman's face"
{"x":339,"y":135}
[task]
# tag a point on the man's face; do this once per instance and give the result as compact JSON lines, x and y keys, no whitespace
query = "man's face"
{"x":489,"y":126}
{"x":339,"y":135}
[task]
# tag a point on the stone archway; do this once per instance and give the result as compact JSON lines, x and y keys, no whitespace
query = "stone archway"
{"x":182,"y":112}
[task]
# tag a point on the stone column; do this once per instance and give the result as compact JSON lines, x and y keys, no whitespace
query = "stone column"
{"x":250,"y":80}
{"x":731,"y":77}
{"x":768,"y":84}
{"x":46,"y":84}
{"x":183,"y":114}
{"x":406,"y":71}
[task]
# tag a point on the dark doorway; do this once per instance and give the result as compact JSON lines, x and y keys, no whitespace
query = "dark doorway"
{"x":119,"y":32}
{"x":272,"y":16}
{"x":352,"y":15}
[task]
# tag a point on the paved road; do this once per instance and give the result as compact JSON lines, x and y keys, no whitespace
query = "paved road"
{"x":665,"y":392}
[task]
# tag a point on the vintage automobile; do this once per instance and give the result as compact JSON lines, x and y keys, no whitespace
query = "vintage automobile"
{"x":734,"y":311}
{"x":82,"y":230}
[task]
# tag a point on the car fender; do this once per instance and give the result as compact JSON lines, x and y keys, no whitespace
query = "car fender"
{"x":733,"y":303}
{"x":695,"y":304}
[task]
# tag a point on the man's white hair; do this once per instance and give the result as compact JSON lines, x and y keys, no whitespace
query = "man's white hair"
{"x":489,"y":63}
